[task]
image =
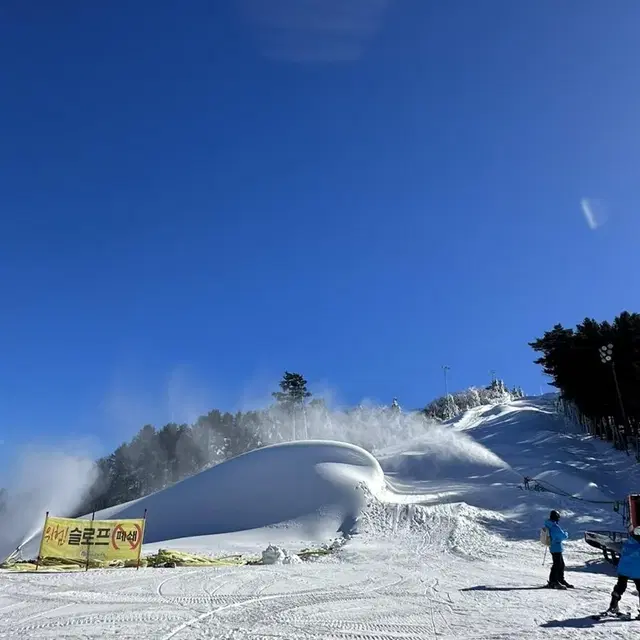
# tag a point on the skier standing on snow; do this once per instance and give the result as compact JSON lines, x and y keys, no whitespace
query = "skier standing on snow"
{"x":628,"y":568}
{"x":558,"y":536}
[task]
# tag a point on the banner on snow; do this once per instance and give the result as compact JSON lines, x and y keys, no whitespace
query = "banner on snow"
{"x":100,"y":540}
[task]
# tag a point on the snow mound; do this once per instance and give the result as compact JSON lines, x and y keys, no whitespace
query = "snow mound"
{"x":451,"y":527}
{"x":307,"y":481}
{"x":277,"y":555}
{"x":273,"y":555}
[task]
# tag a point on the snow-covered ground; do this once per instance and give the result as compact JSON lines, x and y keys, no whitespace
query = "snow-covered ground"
{"x":446,"y":544}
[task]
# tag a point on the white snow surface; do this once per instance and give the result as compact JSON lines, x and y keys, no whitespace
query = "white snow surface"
{"x":445,"y":545}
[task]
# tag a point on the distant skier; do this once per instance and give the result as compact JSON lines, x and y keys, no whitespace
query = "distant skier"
{"x":628,"y":568}
{"x":557,"y":535}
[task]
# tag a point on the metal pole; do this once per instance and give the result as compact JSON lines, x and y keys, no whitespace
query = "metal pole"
{"x":446,"y":368}
{"x":615,"y":380}
{"x":44,"y":532}
{"x":93,"y":516}
{"x":606,"y":356}
{"x":622,"y":411}
{"x":144,"y":526}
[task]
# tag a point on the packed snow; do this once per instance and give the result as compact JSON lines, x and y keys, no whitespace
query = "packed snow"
{"x":441,"y":540}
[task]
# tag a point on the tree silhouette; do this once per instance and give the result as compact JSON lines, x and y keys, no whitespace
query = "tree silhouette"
{"x":293,"y":391}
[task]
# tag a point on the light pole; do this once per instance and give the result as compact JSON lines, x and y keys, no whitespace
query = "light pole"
{"x":446,"y":368}
{"x":606,"y":357}
{"x":448,"y":400}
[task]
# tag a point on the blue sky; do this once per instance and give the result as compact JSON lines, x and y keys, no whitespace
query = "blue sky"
{"x":196,"y":196}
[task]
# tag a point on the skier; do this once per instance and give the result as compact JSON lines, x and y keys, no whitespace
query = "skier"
{"x":628,"y":568}
{"x":558,"y":536}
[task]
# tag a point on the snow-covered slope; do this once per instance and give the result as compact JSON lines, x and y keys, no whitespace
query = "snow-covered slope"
{"x":530,"y":440}
{"x":447,"y":544}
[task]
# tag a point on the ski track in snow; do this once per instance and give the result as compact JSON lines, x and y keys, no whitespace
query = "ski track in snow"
{"x":392,"y":595}
{"x":402,"y":587}
{"x":437,"y":570}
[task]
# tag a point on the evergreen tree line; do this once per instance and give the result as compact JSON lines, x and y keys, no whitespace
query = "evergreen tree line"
{"x":596,"y":368}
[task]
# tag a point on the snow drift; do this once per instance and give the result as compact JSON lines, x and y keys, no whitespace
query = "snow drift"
{"x":279,"y":484}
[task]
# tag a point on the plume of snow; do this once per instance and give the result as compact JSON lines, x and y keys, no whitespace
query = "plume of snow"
{"x":42,"y":481}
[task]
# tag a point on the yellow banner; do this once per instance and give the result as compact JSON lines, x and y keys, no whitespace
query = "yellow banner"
{"x":102,"y":540}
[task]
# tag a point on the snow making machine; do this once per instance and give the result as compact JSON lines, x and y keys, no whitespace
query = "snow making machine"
{"x":611,"y":542}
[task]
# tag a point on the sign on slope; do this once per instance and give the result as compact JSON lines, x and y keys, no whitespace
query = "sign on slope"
{"x":99,"y":540}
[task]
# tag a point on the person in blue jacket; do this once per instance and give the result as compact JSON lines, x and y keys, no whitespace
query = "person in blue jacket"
{"x":628,"y":567}
{"x":558,"y":535}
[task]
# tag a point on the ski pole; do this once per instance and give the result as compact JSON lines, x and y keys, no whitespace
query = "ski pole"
{"x":545,"y":556}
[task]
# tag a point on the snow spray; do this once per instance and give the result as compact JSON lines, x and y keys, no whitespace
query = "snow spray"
{"x":42,"y":481}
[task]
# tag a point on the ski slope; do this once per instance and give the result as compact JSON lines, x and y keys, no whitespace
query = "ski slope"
{"x":445,"y":543}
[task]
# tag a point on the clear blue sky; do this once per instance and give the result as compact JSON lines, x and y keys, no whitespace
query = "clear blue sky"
{"x":196,"y":196}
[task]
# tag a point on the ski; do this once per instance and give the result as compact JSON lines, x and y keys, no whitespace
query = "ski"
{"x":612,"y":615}
{"x":562,"y":588}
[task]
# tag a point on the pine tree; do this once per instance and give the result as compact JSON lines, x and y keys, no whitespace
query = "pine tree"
{"x":293,"y":391}
{"x":291,"y":402}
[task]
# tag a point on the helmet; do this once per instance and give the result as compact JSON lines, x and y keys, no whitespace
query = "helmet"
{"x":554,"y":516}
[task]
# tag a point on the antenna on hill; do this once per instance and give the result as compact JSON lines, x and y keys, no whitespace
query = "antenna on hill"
{"x":493,"y":375}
